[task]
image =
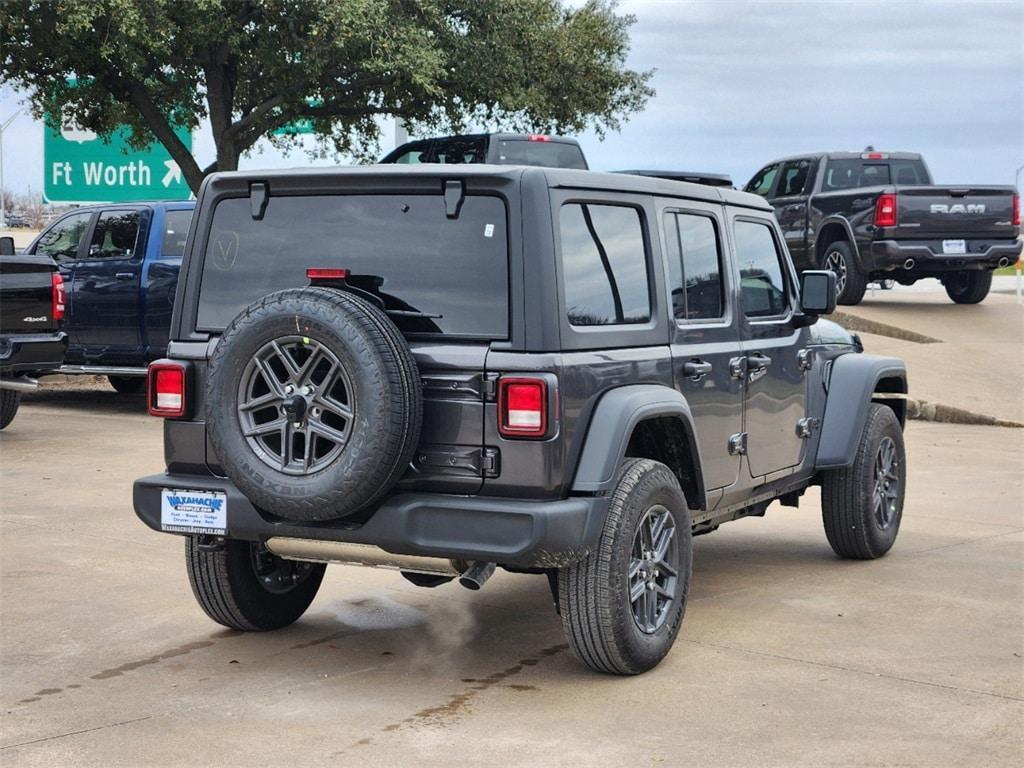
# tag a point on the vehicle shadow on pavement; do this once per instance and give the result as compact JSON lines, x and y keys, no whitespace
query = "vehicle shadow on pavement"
{"x":94,"y":400}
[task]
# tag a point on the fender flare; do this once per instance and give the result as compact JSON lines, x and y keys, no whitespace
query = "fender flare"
{"x":841,"y":221}
{"x":616,"y":415}
{"x":853,"y":380}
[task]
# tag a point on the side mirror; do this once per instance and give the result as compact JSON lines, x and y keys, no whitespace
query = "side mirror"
{"x":6,"y":245}
{"x":818,"y":292}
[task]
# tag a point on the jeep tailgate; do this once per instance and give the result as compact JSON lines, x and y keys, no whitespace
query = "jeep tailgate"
{"x":26,"y":295}
{"x":961,"y":212}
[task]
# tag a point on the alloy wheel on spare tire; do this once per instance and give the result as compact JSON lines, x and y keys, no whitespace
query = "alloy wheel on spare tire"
{"x":313,"y":404}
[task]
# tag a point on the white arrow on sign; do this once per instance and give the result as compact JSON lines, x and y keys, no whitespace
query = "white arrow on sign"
{"x":173,"y":173}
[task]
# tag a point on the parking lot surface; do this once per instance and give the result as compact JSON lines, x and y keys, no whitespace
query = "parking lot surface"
{"x":788,"y":656}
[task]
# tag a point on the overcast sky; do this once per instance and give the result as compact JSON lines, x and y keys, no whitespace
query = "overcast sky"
{"x":740,"y":83}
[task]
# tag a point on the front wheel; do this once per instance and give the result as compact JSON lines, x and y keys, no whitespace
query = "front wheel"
{"x":851,"y":283}
{"x":968,"y":287}
{"x":623,"y":604}
{"x":862,"y":505}
{"x":9,"y":401}
{"x":244,"y":586}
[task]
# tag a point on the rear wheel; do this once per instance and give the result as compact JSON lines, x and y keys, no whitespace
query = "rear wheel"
{"x":862,"y":505}
{"x":244,"y":586}
{"x":9,"y":401}
{"x":968,"y":287}
{"x":128,"y":385}
{"x":851,"y":283}
{"x":622,"y":605}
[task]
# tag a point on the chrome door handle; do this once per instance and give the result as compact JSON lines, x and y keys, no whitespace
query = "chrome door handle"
{"x":696,"y":369}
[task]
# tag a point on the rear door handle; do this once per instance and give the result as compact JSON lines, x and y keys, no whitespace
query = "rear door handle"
{"x":757,"y":361}
{"x":124,"y":275}
{"x":696,"y":369}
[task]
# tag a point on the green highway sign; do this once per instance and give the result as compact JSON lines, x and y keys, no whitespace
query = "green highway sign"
{"x":81,"y":167}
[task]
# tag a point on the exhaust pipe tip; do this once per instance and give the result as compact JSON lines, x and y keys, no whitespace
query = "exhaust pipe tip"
{"x":1004,"y":262}
{"x":908,"y":264}
{"x":476,"y":575}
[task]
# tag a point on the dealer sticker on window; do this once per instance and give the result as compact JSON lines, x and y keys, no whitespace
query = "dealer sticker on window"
{"x":193,"y":511}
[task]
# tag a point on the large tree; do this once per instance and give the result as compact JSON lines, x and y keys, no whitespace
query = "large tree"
{"x":253,"y":66}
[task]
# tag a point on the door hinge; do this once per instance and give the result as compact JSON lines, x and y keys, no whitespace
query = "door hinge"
{"x":489,"y":386}
{"x":806,"y":426}
{"x":457,"y":460}
{"x":805,"y":359}
{"x":738,"y":444}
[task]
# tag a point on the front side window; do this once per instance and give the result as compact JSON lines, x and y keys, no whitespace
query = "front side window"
{"x":795,"y":175}
{"x":604,"y":265}
{"x":61,"y":241}
{"x":695,"y":266}
{"x":115,"y":235}
{"x":761,"y":184}
{"x":762,"y":279}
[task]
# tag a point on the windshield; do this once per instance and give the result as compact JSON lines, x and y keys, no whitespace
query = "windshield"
{"x":437,"y":275}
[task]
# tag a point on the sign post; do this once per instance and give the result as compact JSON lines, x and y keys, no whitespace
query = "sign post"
{"x":81,"y":167}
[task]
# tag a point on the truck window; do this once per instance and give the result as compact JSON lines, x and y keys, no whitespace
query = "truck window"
{"x":175,"y":231}
{"x":604,"y":265}
{"x":761,"y":184}
{"x":415,"y":154}
{"x":794,"y":178}
{"x":548,"y":154}
{"x":460,"y":150}
{"x":762,"y":280}
{"x":695,"y":266}
{"x":61,"y":241}
{"x":853,"y":173}
{"x":115,"y":235}
{"x":446,"y":276}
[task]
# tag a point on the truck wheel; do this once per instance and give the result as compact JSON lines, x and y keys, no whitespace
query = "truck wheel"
{"x":128,"y":385}
{"x":862,"y":505}
{"x":968,"y":287}
{"x":851,"y":283}
{"x":623,"y":604}
{"x":9,"y":401}
{"x":245,"y":587}
{"x":313,"y":404}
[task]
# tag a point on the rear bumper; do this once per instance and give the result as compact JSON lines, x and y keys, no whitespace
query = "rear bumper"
{"x":890,"y":255}
{"x":28,"y":352}
{"x":534,"y":534}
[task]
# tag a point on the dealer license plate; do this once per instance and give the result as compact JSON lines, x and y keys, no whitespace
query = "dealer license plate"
{"x":183,"y":511}
{"x":954,"y":246}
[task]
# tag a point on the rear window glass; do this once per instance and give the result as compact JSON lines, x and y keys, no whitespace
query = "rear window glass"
{"x":436,"y":275}
{"x":604,"y":265}
{"x":549,"y":154}
{"x":849,"y":174}
{"x":175,"y":231}
{"x":461,"y":150}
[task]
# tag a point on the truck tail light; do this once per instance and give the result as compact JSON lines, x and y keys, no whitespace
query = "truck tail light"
{"x":59,"y":296}
{"x":522,"y":407}
{"x":539,"y":137}
{"x":1016,"y":209}
{"x":166,"y":390}
{"x":885,"y":211}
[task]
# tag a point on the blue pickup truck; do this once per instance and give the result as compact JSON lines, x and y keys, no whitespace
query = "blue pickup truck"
{"x":120,"y":268}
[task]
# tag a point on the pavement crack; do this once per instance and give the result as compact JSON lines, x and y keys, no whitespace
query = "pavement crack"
{"x":841,"y":668}
{"x":76,"y":733}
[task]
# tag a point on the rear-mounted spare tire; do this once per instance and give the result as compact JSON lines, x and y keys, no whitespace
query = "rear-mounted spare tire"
{"x":313,"y":404}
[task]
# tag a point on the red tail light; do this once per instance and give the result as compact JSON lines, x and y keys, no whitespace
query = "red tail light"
{"x":539,"y":137}
{"x":522,"y":407}
{"x":59,"y":295}
{"x":167,"y":390}
{"x":326,"y":273}
{"x":885,"y":211}
{"x":1016,"y":210}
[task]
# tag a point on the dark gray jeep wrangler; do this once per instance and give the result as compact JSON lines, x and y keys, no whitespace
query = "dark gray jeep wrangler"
{"x":442,"y":370}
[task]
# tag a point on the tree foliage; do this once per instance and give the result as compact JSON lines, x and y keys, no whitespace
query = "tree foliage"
{"x":253,"y":66}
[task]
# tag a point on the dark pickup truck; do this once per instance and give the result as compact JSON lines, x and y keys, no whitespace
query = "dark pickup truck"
{"x":31,"y":307}
{"x":877,"y":216}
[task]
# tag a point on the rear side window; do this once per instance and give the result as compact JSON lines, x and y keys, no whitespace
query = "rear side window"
{"x":695,"y":266}
{"x":604,"y":265}
{"x":175,"y":231}
{"x":762,"y":280}
{"x":549,"y":154}
{"x":458,"y":151}
{"x":761,"y":184}
{"x":61,"y":241}
{"x":436,"y":275}
{"x":115,"y":235}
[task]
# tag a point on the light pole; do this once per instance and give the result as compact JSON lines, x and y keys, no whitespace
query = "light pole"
{"x":3,"y":189}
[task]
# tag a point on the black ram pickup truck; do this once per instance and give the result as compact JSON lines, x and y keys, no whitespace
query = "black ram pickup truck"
{"x":877,"y":216}
{"x":32,"y":303}
{"x":448,"y":369}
